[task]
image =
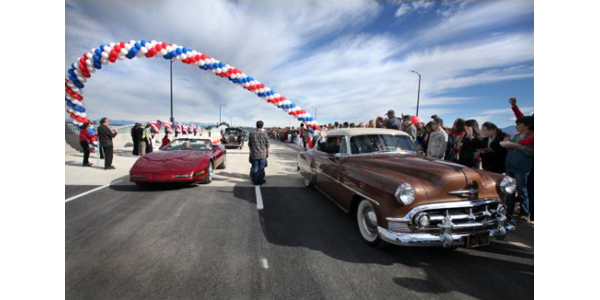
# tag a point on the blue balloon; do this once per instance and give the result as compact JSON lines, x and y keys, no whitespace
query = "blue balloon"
{"x":185,"y":50}
{"x":221,"y":65}
{"x":143,"y":43}
{"x":98,"y":52}
{"x":178,"y":51}
{"x":137,"y":46}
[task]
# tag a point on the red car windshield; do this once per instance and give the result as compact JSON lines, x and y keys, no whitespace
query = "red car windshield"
{"x":189,"y":144}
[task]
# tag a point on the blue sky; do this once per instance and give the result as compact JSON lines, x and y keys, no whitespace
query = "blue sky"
{"x":348,"y":59}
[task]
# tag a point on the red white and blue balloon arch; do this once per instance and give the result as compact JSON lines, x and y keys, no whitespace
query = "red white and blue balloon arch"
{"x":93,"y":60}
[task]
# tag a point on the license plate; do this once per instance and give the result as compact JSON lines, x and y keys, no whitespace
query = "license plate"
{"x":476,"y":240}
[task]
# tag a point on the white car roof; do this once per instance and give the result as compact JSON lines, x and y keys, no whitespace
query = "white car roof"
{"x":364,"y":131}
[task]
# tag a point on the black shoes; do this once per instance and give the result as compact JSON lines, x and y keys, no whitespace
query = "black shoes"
{"x":110,"y":168}
{"x":87,"y":165}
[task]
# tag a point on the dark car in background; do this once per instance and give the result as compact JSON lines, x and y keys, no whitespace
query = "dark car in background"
{"x":233,"y":138}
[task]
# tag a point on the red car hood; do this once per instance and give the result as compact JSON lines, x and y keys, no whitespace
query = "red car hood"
{"x":180,"y":161}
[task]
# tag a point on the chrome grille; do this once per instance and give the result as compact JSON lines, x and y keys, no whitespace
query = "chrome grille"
{"x":464,"y":218}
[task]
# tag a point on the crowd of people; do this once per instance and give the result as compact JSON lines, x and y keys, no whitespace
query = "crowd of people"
{"x":467,"y":143}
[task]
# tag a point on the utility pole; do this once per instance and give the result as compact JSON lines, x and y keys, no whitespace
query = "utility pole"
{"x":172,"y":119}
{"x":419,"y":91}
{"x":220,"y":105}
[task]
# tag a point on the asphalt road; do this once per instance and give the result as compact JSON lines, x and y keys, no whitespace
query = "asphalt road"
{"x":211,"y":242}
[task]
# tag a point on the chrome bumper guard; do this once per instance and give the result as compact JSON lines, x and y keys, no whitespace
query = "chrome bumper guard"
{"x":446,"y":237}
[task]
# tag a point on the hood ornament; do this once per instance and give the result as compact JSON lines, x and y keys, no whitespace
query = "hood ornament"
{"x":466,"y":193}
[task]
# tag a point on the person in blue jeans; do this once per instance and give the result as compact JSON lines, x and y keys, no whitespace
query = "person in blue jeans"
{"x":258,"y":142}
{"x":519,"y":163}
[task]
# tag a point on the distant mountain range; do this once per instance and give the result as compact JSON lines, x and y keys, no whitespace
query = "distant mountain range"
{"x":512,"y":130}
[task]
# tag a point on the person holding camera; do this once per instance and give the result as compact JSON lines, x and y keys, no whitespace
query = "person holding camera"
{"x":105,"y":135}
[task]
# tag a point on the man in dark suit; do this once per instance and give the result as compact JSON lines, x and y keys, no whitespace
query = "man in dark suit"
{"x":105,"y":136}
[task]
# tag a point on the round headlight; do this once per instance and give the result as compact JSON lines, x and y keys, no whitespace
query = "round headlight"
{"x":405,"y":193}
{"x":423,"y":221}
{"x":508,"y":185}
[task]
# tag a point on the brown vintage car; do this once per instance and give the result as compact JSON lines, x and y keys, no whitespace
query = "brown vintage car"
{"x":405,"y":198}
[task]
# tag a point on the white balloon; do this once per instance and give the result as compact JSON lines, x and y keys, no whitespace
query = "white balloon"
{"x":83,"y":115}
{"x":112,"y":45}
{"x":123,"y":51}
{"x":70,"y":84}
{"x":143,"y":50}
{"x":121,"y":57}
{"x":183,"y":56}
{"x":201,"y":62}
{"x":104,"y":61}
{"x":106,"y":49}
{"x":89,"y":55}
{"x":163,"y":51}
{"x":104,"y":55}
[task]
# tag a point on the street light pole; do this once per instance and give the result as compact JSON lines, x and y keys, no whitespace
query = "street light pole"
{"x":172,"y":119}
{"x":220,"y":105}
{"x":419,"y":91}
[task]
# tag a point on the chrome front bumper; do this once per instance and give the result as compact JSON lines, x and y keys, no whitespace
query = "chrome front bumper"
{"x":433,"y":240}
{"x":449,"y":233}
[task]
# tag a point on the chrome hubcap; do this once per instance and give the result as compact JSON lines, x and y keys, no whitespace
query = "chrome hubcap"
{"x":210,"y":172}
{"x":367,"y":221}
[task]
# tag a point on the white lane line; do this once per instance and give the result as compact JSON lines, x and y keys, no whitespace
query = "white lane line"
{"x":91,"y":191}
{"x":264,"y":262}
{"x":180,"y":208}
{"x":519,"y":245}
{"x":259,"y":202}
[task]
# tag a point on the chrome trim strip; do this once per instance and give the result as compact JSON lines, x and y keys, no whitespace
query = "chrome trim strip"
{"x":464,"y":193}
{"x":349,"y":188}
{"x":445,"y":205}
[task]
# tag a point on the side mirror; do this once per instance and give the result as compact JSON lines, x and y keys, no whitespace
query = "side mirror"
{"x":341,"y":157}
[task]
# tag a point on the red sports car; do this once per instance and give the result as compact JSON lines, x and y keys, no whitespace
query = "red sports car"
{"x":184,"y":160}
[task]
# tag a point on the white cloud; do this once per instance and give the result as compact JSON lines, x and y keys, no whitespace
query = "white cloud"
{"x":402,"y":10}
{"x":408,"y":6}
{"x":353,"y":77}
{"x":481,"y":16}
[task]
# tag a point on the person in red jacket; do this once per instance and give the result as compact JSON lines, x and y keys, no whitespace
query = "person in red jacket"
{"x":519,"y":115}
{"x":85,"y":139}
{"x":528,"y":141}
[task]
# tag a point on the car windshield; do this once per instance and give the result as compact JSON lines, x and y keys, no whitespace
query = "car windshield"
{"x":189,"y":144}
{"x":377,"y":143}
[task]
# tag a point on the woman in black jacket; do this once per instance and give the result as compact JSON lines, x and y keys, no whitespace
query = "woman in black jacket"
{"x":492,"y":154}
{"x":469,"y":144}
